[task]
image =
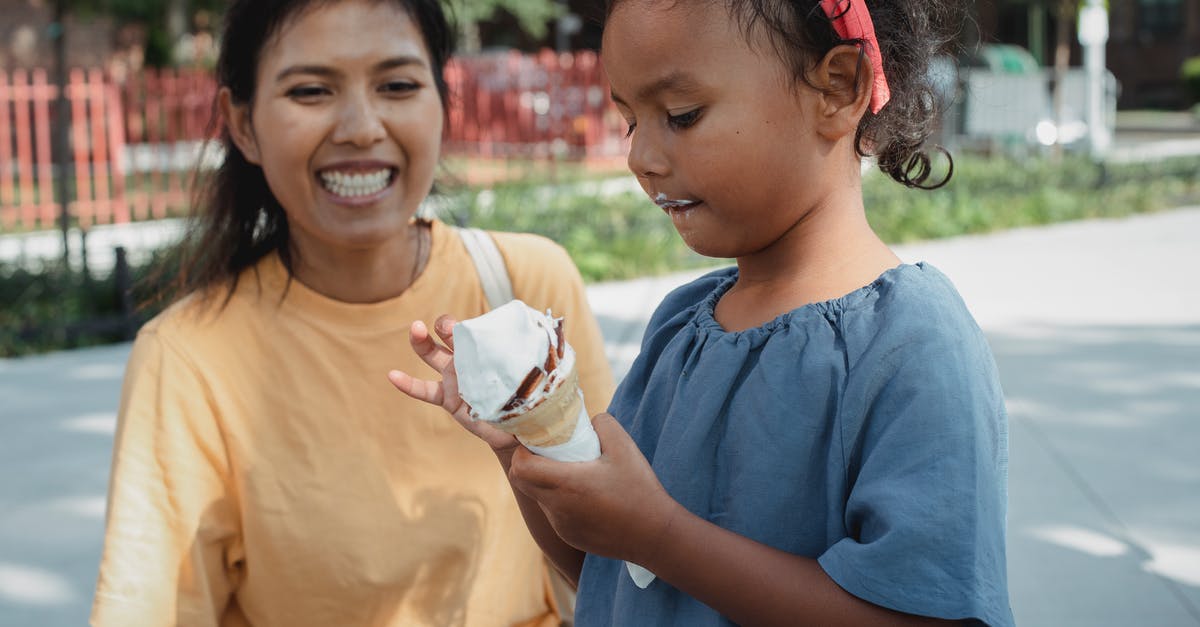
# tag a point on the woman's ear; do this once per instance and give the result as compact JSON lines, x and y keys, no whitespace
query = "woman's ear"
{"x":241,"y":127}
{"x":843,"y":80}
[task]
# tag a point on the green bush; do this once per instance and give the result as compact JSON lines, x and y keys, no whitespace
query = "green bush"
{"x":58,"y":308}
{"x":1000,"y":193}
{"x":1189,"y":73}
{"x":609,"y":236}
{"x":623,"y":235}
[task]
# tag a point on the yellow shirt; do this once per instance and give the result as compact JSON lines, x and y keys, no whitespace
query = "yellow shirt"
{"x":266,"y":473}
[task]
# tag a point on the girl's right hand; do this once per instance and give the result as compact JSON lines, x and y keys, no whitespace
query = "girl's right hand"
{"x":444,"y":393}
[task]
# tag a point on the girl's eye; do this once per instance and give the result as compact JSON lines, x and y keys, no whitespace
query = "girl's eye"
{"x":683,"y":120}
{"x":629,"y":131}
{"x":306,"y":92}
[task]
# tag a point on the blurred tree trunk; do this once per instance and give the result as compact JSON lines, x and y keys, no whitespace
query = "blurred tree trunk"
{"x":60,"y":144}
{"x":177,"y":18}
{"x":1065,"y":13}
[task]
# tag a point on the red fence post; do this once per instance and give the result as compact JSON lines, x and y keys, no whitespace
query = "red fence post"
{"x":43,"y":95}
{"x":23,"y":99}
{"x":98,"y":147}
{"x":84,"y":209}
{"x":116,"y":151}
{"x":8,"y":213}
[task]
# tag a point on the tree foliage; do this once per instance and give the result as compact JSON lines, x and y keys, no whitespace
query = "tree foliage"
{"x":531,"y":15}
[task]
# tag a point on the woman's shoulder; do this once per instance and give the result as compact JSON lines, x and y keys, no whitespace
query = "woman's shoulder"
{"x":521,"y":249}
{"x":212,"y":319}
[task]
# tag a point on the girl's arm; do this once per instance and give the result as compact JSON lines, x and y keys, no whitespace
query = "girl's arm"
{"x":616,"y":507}
{"x":566,"y":559}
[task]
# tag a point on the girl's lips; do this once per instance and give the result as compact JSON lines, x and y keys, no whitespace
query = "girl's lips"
{"x":671,"y":204}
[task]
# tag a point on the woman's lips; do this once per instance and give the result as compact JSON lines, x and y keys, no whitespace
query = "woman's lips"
{"x":357,"y":185}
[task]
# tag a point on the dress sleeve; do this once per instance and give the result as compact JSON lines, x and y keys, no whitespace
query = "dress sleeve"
{"x":924,"y":439}
{"x":544,"y":277}
{"x":171,"y":544}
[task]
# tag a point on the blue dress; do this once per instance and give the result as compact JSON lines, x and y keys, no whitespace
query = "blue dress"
{"x":868,"y":432}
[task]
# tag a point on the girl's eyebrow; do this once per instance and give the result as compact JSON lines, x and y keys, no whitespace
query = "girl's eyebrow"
{"x":327,"y":71}
{"x":677,"y":80}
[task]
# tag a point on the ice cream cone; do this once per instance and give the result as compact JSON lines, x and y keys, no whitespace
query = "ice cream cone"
{"x":552,"y":420}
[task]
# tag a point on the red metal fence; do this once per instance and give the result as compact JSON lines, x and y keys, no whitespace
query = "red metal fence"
{"x":133,"y":146}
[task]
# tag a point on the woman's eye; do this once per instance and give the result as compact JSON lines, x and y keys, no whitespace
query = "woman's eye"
{"x":399,"y":87}
{"x":684,"y":120}
{"x":306,"y":92}
{"x":629,"y":131}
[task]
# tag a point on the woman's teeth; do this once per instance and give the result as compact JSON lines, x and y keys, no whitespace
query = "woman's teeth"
{"x":354,"y":185}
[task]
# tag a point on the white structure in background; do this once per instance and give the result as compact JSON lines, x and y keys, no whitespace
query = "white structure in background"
{"x":1093,"y":35}
{"x":1007,"y":103}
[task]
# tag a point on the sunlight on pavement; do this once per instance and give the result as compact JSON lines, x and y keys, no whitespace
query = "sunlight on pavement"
{"x":1178,"y":562}
{"x":104,"y":423}
{"x":33,"y":586}
{"x":1082,"y":540}
{"x":95,"y":372}
{"x":82,"y":506}
{"x":1174,"y":561}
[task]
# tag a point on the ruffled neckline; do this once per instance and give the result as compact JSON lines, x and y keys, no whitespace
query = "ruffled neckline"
{"x":704,"y":317}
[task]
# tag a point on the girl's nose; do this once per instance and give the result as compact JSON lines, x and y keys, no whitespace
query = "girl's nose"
{"x":646,"y":157}
{"x":359,"y":123}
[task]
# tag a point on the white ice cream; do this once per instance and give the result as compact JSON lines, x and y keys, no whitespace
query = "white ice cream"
{"x":493,"y":354}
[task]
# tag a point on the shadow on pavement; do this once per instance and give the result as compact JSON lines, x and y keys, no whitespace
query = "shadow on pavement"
{"x":1104,"y":523}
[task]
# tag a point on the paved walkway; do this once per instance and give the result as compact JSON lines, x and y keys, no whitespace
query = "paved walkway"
{"x":1096,"y":328}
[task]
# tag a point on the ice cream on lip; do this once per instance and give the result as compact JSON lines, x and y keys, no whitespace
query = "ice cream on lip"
{"x":671,"y":203}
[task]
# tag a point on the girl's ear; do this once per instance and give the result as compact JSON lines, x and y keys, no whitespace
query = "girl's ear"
{"x":241,"y":128}
{"x":843,"y":80}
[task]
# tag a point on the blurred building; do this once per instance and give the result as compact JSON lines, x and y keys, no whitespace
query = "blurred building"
{"x":26,"y":36}
{"x":1148,"y":42}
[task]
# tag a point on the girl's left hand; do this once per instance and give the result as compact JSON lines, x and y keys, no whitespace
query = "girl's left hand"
{"x":613,"y":506}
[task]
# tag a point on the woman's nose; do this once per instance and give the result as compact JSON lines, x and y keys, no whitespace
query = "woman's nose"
{"x":360,"y":122}
{"x":646,"y":156}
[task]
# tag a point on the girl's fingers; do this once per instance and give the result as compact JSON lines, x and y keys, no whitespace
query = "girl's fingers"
{"x":533,"y":474}
{"x":438,"y":357}
{"x":444,"y":326}
{"x":609,"y":430}
{"x":420,"y":389}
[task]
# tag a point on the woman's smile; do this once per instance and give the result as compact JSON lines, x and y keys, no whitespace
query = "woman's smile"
{"x":357,"y":183}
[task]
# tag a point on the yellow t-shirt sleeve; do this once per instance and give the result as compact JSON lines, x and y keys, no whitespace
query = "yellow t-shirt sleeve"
{"x":544,"y":276}
{"x":171,"y":545}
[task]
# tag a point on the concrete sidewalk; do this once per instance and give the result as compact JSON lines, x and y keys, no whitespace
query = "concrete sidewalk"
{"x":1096,"y":328}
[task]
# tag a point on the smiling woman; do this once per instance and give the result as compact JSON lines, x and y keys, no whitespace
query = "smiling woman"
{"x":264,"y":473}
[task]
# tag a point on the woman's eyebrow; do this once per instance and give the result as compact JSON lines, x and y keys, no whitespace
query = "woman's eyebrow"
{"x":328,"y":71}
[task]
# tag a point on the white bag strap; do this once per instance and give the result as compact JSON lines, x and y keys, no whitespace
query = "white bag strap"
{"x":489,"y":264}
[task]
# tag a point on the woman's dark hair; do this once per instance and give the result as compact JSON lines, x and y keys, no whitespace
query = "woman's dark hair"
{"x":910,"y":33}
{"x":236,"y":220}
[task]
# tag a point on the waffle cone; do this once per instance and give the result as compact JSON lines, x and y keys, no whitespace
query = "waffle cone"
{"x":552,"y":421}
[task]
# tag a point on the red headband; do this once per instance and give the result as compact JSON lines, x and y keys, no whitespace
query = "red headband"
{"x":852,"y":21}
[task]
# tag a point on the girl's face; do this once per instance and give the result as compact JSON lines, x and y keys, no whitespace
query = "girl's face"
{"x":346,"y":123}
{"x":720,"y":132}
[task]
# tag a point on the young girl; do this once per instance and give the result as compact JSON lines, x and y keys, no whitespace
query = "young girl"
{"x":817,"y":435}
{"x":263,"y":473}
